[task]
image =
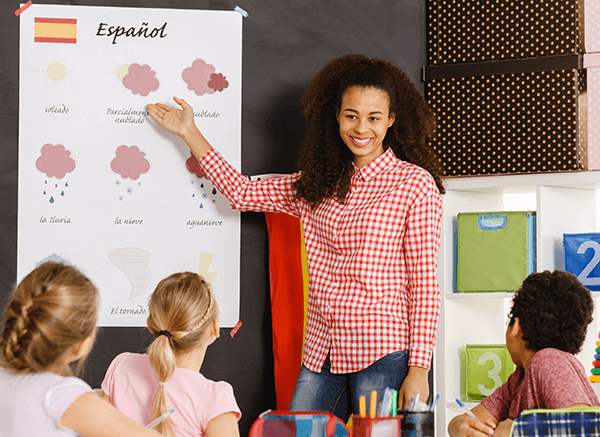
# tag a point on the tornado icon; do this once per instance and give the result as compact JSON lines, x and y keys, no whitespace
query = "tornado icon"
{"x":134,"y":263}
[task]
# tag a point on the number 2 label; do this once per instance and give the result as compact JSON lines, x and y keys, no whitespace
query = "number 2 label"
{"x":584,"y":275}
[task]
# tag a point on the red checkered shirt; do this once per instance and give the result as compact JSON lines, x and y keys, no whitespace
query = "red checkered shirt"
{"x":372,"y":261}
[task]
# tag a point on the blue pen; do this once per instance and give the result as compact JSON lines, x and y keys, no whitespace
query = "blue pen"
{"x":160,"y":418}
{"x":410,"y":404}
{"x":437,"y":398}
{"x":466,"y":410}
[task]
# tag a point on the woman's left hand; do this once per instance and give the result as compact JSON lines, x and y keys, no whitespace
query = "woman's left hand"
{"x":415,"y":382}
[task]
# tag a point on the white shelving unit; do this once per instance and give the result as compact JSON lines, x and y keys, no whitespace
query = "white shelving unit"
{"x":565,"y":203}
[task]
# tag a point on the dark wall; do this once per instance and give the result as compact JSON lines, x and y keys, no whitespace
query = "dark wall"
{"x":285,"y":42}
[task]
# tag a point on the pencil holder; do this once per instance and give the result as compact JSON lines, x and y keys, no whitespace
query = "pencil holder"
{"x":405,"y":424}
{"x":376,"y":426}
{"x":416,"y":424}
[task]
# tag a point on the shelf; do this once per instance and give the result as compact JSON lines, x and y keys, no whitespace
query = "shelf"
{"x":586,"y":180}
{"x":459,"y":296}
{"x":479,"y":295}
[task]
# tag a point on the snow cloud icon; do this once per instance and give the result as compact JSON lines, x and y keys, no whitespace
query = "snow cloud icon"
{"x":55,"y":161}
{"x":130,"y":162}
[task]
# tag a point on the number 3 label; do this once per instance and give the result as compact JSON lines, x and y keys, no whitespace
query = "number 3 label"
{"x":493,"y":374}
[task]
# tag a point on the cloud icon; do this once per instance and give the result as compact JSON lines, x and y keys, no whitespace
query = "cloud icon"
{"x":218,"y":82}
{"x":197,"y":77}
{"x":140,"y":79}
{"x":55,"y":161}
{"x":193,"y":166}
{"x":130,"y":162}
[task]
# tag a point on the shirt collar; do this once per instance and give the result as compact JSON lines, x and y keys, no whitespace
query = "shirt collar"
{"x":377,"y":166}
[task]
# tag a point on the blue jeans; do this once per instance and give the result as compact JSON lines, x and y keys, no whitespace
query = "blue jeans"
{"x":339,"y":393}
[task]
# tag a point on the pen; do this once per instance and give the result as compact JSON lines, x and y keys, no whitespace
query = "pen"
{"x":373,"y":406}
{"x":160,"y":418}
{"x":394,"y":401}
{"x":469,"y":413}
{"x":384,"y":410}
{"x":362,"y":404}
{"x":437,"y":398}
{"x":410,"y":404}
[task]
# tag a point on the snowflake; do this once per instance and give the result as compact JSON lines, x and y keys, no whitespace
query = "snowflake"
{"x":204,"y":195}
{"x":129,"y":190}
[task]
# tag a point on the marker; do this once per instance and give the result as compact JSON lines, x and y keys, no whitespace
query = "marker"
{"x":417,"y":401}
{"x":394,"y":400}
{"x":466,"y":410}
{"x":437,"y":398}
{"x":160,"y":418}
{"x":362,"y":404}
{"x":373,"y":406}
{"x":384,"y":410}
{"x":410,"y":404}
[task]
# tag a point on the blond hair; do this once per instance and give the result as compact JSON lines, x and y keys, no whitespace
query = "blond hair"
{"x":50,"y":311}
{"x":181,"y":308}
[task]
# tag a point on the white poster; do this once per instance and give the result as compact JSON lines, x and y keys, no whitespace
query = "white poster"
{"x":101,"y":185}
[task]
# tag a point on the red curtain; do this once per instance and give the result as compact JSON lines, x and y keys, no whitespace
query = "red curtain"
{"x":289,"y":286}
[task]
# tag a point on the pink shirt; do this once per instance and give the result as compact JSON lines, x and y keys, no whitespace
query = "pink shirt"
{"x":32,"y":404}
{"x":554,"y":379}
{"x":131,"y":385}
{"x":372,"y":260}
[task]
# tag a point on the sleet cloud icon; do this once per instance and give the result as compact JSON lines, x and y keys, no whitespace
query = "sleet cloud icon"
{"x":55,"y":161}
{"x":193,"y":166}
{"x":130,"y":162}
{"x":202,"y":79}
{"x":140,"y":79}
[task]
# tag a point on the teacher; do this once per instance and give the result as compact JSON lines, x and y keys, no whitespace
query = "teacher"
{"x":369,"y":196}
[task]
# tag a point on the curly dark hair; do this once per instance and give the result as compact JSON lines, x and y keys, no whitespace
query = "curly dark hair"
{"x":326,"y":162}
{"x":554,"y":310}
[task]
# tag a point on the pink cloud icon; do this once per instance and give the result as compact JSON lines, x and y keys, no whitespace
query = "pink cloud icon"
{"x":55,"y":161}
{"x":193,"y":167}
{"x":130,"y":162}
{"x":197,"y":77}
{"x":140,"y":79}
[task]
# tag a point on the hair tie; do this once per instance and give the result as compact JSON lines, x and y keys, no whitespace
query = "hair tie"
{"x":165,"y":333}
{"x":162,"y":384}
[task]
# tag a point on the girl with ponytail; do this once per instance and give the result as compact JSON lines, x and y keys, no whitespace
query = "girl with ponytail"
{"x":49,"y":325}
{"x":184,"y":321}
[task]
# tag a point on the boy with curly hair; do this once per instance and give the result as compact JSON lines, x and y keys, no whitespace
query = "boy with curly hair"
{"x":547,"y":326}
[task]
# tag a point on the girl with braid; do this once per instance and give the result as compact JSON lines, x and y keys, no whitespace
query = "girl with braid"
{"x":49,"y":324}
{"x":369,"y":196}
{"x":184,"y":321}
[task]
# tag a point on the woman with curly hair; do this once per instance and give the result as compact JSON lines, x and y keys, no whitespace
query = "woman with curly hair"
{"x":369,"y":196}
{"x":547,"y":326}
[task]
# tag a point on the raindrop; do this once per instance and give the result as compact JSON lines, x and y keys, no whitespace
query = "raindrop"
{"x":45,"y":182}
{"x":55,"y":185}
{"x":62,"y":193}
{"x":193,"y":195}
{"x":66,"y":184}
{"x":214,"y":191}
{"x":51,"y":199}
{"x":44,"y":193}
{"x":201,"y":206}
{"x":201,"y":185}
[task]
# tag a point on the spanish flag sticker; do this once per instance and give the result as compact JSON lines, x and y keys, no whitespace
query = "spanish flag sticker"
{"x":57,"y":30}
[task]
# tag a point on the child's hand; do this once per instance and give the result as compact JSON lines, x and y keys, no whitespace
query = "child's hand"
{"x":465,"y":426}
{"x":177,"y":121}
